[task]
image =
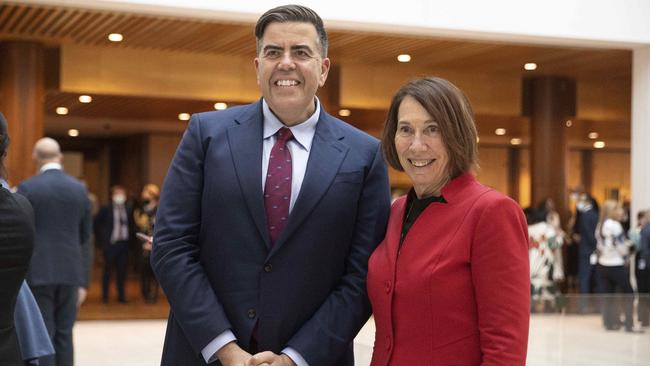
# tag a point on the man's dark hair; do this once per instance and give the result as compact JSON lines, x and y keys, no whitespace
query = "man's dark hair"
{"x":4,"y":143}
{"x":292,"y":13}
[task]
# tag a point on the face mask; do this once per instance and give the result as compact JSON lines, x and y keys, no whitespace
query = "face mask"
{"x":119,"y":199}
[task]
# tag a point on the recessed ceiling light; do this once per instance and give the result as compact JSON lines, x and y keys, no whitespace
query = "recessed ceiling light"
{"x":115,"y":37}
{"x":515,"y":141}
{"x":599,"y":144}
{"x":530,"y":66}
{"x":73,"y":132}
{"x":345,"y":112}
{"x":569,"y":123}
{"x":220,"y":106}
{"x":184,"y":116}
{"x":593,"y":135}
{"x":85,"y":98}
{"x":500,"y":131}
{"x":61,"y":111}
{"x":404,"y":57}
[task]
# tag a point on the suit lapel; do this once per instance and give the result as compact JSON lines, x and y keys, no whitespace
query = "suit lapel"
{"x":245,"y":141}
{"x":325,"y":158}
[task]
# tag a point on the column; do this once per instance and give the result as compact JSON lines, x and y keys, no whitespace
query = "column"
{"x":640,"y":144}
{"x":549,"y":101}
{"x":514,"y":171}
{"x":330,"y":94}
{"x":22,"y":102}
{"x":587,"y":171}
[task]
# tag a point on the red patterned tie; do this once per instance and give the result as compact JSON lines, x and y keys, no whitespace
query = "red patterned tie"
{"x":277,"y":190}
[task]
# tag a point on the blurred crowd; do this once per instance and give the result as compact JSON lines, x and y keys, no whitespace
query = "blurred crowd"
{"x":598,"y":256}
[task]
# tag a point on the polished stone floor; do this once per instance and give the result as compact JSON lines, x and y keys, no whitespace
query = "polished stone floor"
{"x":555,"y":340}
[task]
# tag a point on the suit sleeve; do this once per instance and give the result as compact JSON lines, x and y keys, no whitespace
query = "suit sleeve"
{"x":501,"y":277}
{"x":327,"y":335}
{"x":176,"y":248}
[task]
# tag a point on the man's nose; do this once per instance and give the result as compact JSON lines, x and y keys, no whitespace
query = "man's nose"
{"x":286,"y":62}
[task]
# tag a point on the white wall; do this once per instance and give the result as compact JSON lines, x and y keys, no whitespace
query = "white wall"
{"x":640,"y":167}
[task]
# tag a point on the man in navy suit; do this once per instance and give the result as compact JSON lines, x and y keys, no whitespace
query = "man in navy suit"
{"x":114,"y":228}
{"x":268,"y":215}
{"x":58,"y":273}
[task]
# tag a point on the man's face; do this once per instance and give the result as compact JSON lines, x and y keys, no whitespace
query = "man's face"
{"x":290,"y":69}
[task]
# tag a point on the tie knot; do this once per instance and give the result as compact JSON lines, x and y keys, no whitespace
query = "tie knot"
{"x":284,"y":134}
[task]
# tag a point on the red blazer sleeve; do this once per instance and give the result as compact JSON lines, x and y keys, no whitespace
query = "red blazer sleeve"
{"x":501,"y":277}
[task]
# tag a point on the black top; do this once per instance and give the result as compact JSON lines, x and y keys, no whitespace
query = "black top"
{"x":16,"y":243}
{"x":414,"y":207}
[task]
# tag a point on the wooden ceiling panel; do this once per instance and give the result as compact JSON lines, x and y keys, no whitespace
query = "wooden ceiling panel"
{"x":63,"y":25}
{"x":90,"y":27}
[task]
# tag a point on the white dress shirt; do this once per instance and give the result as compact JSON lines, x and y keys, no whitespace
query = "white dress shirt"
{"x":49,"y":166}
{"x":299,"y":146}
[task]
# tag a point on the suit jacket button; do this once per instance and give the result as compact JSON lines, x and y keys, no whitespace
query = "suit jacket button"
{"x":251,"y":313}
{"x":388,"y":343}
{"x":268,"y":268}
{"x":388,"y":286}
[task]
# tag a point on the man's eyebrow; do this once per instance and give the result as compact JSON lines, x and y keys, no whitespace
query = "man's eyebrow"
{"x":301,"y":47}
{"x":271,"y":47}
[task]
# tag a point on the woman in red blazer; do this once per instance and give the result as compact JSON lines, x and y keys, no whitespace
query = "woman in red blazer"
{"x":449,"y":285}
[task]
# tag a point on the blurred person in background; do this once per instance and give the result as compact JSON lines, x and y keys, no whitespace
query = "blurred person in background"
{"x":58,"y":274}
{"x":114,"y":228}
{"x":643,"y":269}
{"x":145,"y":218}
{"x":450,"y":283}
{"x":545,"y":253}
{"x":613,"y":250}
{"x":584,"y":230}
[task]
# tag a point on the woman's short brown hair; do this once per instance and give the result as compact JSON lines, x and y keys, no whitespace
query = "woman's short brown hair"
{"x":450,"y":109}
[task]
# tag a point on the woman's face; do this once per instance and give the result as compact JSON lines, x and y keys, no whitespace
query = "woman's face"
{"x":420,"y":148}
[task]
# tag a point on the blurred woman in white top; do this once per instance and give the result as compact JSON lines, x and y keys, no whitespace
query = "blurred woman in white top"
{"x":613,"y":249}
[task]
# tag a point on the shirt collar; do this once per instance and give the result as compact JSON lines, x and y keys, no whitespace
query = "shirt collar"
{"x":49,"y":166}
{"x":424,"y":202}
{"x":303,"y":132}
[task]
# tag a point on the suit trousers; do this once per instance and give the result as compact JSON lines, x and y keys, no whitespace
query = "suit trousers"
{"x":115,"y":256}
{"x":58,"y":304}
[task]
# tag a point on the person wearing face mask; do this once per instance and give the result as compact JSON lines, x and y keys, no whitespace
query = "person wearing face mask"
{"x":113,"y":232}
{"x":58,"y":275}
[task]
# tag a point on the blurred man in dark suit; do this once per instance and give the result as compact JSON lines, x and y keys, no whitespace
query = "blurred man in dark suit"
{"x":58,"y":275}
{"x":114,"y":229}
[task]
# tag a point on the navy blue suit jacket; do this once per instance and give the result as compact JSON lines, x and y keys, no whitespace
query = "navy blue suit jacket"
{"x":63,"y":226}
{"x":212,"y":251}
